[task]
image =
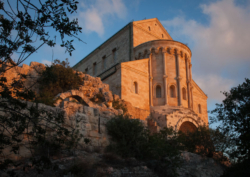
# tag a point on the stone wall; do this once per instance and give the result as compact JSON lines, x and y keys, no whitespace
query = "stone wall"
{"x":148,"y":30}
{"x":89,"y":121}
{"x":135,"y":72}
{"x":201,"y":99}
{"x":120,"y":42}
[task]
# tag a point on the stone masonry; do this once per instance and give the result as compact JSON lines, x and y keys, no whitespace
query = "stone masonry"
{"x":143,"y":65}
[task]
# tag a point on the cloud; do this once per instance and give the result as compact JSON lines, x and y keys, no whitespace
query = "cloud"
{"x":214,"y":85}
{"x":93,"y":16}
{"x":221,"y":48}
{"x":46,"y":62}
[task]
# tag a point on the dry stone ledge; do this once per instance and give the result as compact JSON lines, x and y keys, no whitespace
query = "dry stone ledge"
{"x":196,"y":166}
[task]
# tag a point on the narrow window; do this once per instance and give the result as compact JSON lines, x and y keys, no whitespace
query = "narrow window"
{"x":114,"y":55}
{"x":184,"y":94}
{"x":135,"y":87}
{"x":104,"y":62}
{"x":145,"y":54}
{"x":149,"y":28}
{"x":199,"y":108}
{"x":158,"y":91}
{"x":94,"y":68}
{"x":172,"y":91}
{"x":162,"y":35}
{"x":86,"y":71}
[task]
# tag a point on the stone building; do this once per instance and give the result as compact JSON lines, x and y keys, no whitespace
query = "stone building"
{"x":146,"y":67}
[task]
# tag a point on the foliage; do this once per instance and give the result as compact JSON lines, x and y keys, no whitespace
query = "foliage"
{"x":131,"y":139}
{"x":207,"y":142}
{"x":27,"y":26}
{"x":57,"y":78}
{"x":119,"y":105}
{"x":239,"y":169}
{"x":198,"y":141}
{"x":23,"y":30}
{"x":233,"y":114}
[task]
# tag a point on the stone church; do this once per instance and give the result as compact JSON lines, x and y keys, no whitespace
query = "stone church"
{"x":146,"y":67}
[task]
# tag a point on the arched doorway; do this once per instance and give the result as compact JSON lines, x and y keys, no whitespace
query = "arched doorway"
{"x":187,"y":127}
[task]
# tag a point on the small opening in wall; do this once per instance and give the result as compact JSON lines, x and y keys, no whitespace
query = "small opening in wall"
{"x":86,"y":71}
{"x":94,"y":68}
{"x":104,"y":60}
{"x":155,"y":24}
{"x":135,"y":87}
{"x":114,"y":55}
{"x":149,"y":28}
{"x":172,"y":91}
{"x":199,"y":108}
{"x":158,"y":91}
{"x":184,"y":94}
{"x":162,"y":35}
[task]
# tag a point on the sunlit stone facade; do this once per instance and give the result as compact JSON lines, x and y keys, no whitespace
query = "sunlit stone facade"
{"x":146,"y":67}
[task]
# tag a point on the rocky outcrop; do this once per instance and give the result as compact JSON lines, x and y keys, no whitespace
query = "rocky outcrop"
{"x":197,"y":166}
{"x":93,"y":163}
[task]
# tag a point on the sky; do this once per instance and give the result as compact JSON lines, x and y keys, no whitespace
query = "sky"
{"x":216,"y":31}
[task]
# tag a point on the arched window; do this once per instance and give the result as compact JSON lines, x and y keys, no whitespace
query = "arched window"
{"x":158,"y":91}
{"x":199,"y":108}
{"x":184,"y":94}
{"x":135,"y":87}
{"x":172,"y":91}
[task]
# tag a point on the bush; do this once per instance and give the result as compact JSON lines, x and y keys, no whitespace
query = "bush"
{"x":198,"y":141}
{"x":131,"y":139}
{"x":239,"y":169}
{"x":205,"y":141}
{"x":57,"y":78}
{"x":127,"y":134}
{"x":117,"y":105}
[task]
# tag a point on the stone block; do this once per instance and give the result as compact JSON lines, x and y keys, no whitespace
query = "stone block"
{"x":103,"y":120}
{"x":94,"y":134}
{"x":80,"y":117}
{"x":86,"y":126}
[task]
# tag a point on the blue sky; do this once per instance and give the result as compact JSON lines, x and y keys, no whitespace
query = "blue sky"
{"x":217,"y":32}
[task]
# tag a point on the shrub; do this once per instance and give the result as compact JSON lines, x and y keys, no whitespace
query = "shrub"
{"x":131,"y":139}
{"x":204,"y":141}
{"x":119,"y":105}
{"x":127,"y":134}
{"x":55,"y":79}
{"x":239,"y":169}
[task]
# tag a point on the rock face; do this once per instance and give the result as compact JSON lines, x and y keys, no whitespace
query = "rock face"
{"x":197,"y":166}
{"x":96,"y":164}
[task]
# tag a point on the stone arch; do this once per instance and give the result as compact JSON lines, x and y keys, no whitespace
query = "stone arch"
{"x":146,"y":53}
{"x":152,"y":49}
{"x":186,"y":119}
{"x":75,"y":94}
{"x":158,"y":91}
{"x":172,"y":91}
{"x":155,"y":88}
{"x":160,"y":49}
{"x":187,"y":127}
{"x":181,"y":54}
{"x":139,"y":55}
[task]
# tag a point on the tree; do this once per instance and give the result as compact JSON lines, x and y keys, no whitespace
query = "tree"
{"x":233,"y":114}
{"x":23,"y":30}
{"x":32,"y":22}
